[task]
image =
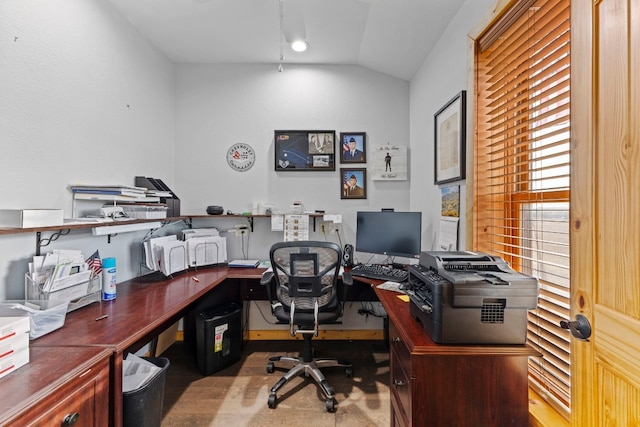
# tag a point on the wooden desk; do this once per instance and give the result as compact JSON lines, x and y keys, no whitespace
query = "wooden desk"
{"x":431,"y":384}
{"x":57,"y":382}
{"x":452,"y":385}
{"x":143,"y":308}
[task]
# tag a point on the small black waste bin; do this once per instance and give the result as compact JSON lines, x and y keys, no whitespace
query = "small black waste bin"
{"x":142,"y":407}
{"x":218,"y":337}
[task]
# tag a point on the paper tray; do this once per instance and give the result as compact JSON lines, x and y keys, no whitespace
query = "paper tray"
{"x":77,"y":296}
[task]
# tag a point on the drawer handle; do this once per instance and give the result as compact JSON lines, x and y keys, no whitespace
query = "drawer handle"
{"x":397,"y":383}
{"x":396,"y":339}
{"x":70,"y":419}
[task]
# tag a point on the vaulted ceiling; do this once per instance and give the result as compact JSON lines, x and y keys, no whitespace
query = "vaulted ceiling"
{"x":389,"y":36}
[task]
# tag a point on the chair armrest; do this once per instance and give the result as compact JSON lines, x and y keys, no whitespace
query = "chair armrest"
{"x":265,"y":280}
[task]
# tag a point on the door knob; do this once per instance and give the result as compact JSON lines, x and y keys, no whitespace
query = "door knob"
{"x":579,"y":328}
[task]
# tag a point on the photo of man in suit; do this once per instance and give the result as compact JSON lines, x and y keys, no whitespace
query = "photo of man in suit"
{"x":353,"y":148}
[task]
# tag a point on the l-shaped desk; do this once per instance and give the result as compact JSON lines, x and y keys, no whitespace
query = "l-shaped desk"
{"x":431,"y":384}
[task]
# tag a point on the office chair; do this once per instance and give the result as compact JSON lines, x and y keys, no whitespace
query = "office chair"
{"x":305,"y":275}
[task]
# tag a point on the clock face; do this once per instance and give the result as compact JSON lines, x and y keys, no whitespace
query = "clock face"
{"x":241,"y":157}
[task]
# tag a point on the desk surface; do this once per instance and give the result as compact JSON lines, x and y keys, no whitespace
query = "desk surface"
{"x":418,"y":340}
{"x":142,"y":305}
{"x":48,"y":370}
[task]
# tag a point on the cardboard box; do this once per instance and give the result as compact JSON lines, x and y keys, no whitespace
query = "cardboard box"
{"x":30,"y":218}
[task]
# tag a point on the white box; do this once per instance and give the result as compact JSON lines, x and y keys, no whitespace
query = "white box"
{"x":14,"y":343}
{"x":12,"y":327}
{"x":13,"y":361}
{"x":29,"y":218}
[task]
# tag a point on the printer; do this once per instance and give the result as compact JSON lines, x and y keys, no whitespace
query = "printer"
{"x":470,"y":298}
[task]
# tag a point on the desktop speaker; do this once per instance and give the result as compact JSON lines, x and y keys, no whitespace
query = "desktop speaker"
{"x":347,"y":256}
{"x":215,"y":210}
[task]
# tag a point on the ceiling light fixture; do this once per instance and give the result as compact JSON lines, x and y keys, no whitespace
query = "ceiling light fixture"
{"x":280,"y":69}
{"x":299,"y":45}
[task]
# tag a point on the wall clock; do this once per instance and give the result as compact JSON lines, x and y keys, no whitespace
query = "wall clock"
{"x":241,"y":157}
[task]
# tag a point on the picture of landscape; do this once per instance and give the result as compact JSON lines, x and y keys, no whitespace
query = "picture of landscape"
{"x":451,"y":201}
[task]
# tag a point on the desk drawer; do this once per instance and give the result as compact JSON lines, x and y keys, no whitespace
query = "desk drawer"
{"x":400,"y":348}
{"x":400,"y":389}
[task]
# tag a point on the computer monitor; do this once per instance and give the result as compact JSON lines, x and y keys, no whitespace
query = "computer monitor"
{"x":389,"y":233}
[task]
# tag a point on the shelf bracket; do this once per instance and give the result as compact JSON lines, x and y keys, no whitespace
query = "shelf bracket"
{"x":250,"y":219}
{"x":42,"y":242}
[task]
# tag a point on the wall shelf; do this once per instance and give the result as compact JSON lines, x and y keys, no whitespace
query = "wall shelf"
{"x":64,"y":229}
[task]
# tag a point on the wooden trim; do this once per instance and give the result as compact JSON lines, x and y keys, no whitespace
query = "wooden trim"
{"x":541,"y":414}
{"x":277,"y":334}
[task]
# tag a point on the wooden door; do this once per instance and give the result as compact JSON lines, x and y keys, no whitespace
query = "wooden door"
{"x":605,"y":203}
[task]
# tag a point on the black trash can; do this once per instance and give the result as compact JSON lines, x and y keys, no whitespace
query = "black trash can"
{"x":218,"y":337}
{"x":142,"y":407}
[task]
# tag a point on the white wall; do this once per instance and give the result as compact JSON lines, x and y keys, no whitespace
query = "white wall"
{"x":442,"y":75}
{"x":83,"y":99}
{"x":219,"y":105}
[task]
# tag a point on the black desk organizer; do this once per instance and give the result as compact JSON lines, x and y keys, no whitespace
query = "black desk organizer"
{"x":173,"y":202}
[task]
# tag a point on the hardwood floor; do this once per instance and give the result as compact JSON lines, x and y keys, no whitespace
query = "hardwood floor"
{"x":237,"y":395}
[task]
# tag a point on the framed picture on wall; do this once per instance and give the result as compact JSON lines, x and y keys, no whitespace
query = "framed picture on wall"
{"x":353,"y":183}
{"x":449,"y":140}
{"x":353,"y":147}
{"x":304,"y":150}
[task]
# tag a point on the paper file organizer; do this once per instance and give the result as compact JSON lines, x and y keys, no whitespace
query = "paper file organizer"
{"x":78,"y":295}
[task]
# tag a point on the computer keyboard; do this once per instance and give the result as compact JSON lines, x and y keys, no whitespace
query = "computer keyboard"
{"x":380,"y":272}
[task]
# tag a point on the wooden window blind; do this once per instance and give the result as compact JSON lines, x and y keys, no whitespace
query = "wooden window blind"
{"x":521,"y":171}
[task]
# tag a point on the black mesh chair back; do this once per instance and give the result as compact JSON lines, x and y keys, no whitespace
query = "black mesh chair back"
{"x":304,"y":278}
{"x":306,"y":282}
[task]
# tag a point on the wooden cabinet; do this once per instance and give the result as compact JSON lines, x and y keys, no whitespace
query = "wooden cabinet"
{"x":60,"y":386}
{"x":452,"y":385}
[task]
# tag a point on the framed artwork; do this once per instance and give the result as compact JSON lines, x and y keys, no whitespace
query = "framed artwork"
{"x":353,"y":183}
{"x":304,"y":150}
{"x":388,"y":162}
{"x":353,"y":147}
{"x":449,"y":140}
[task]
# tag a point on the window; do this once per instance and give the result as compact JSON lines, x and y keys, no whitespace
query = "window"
{"x":521,"y":170}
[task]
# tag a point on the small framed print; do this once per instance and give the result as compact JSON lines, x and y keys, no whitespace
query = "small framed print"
{"x":353,"y":183}
{"x":354,"y":145}
{"x":304,"y":150}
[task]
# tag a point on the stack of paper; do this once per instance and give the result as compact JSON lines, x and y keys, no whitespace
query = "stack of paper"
{"x":173,"y":257}
{"x":136,"y":372}
{"x":200,"y":247}
{"x":166,"y":254}
{"x":59,"y":269}
{"x":206,"y":250}
{"x":112,"y":192}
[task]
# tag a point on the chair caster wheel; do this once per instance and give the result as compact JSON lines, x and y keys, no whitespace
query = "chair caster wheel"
{"x":331,"y":405}
{"x":270,"y":368}
{"x":272,"y":401}
{"x":349,"y":372}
